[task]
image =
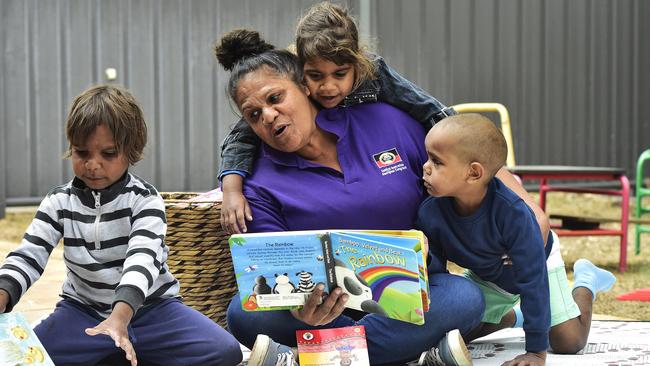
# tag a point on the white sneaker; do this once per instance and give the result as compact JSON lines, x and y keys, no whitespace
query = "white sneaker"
{"x":451,"y":350}
{"x":266,"y":352}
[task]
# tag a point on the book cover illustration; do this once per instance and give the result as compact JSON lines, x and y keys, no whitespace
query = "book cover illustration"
{"x":18,"y":343}
{"x":333,"y":347}
{"x":277,"y":270}
{"x":382,"y":273}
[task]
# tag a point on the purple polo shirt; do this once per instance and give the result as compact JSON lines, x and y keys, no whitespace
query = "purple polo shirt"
{"x":381,"y":152}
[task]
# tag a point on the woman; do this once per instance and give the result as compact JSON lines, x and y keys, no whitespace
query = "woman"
{"x":341,"y":168}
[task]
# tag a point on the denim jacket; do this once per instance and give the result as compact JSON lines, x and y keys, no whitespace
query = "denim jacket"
{"x":240,"y":146}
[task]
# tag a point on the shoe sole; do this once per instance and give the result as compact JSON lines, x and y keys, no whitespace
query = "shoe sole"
{"x":458,"y":348}
{"x":259,"y":351}
{"x":423,"y":356}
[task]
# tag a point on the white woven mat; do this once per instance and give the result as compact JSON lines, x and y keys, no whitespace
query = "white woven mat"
{"x":611,"y":343}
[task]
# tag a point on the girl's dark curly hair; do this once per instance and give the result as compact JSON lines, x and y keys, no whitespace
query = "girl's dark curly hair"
{"x":327,"y":31}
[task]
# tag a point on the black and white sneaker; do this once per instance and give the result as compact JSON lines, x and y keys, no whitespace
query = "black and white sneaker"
{"x":266,"y":352}
{"x":450,"y":351}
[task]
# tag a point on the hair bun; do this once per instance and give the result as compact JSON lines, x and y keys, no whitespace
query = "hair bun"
{"x":238,"y":45}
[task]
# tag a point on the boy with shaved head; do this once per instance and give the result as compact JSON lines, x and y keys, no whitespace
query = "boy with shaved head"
{"x":475,"y":221}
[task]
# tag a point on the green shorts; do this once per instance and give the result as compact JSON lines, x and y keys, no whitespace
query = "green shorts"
{"x":498,"y":301}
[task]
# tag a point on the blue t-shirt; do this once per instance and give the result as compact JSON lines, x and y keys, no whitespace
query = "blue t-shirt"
{"x":381,"y":153}
{"x":503,"y":225}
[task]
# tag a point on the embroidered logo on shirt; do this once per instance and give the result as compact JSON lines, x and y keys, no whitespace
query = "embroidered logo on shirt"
{"x":389,"y":161}
{"x":386,"y":158}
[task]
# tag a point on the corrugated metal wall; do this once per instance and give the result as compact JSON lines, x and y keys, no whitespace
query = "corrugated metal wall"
{"x":162,"y":51}
{"x":573,"y":74}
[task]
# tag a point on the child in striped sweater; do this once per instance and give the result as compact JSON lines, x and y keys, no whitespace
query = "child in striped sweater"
{"x":118,"y":291}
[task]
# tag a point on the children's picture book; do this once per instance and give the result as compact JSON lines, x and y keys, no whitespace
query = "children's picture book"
{"x":333,"y":347}
{"x":19,"y":344}
{"x":383,"y":271}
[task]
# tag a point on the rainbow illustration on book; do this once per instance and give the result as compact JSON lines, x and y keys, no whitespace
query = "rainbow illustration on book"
{"x":391,"y":268}
{"x":380,"y":277}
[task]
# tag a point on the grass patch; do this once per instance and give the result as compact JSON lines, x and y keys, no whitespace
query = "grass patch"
{"x":14,"y":224}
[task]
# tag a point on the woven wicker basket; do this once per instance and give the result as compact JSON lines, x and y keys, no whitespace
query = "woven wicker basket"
{"x":199,"y":255}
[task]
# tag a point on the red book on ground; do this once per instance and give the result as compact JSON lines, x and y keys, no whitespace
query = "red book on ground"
{"x":333,"y":347}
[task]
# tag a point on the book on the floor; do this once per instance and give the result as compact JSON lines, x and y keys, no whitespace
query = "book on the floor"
{"x":382,"y":271}
{"x":333,"y":347}
{"x":19,"y":344}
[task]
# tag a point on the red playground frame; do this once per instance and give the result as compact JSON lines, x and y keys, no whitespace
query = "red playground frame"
{"x":545,"y":173}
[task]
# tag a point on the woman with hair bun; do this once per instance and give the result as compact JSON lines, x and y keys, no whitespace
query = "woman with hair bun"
{"x":317,"y":170}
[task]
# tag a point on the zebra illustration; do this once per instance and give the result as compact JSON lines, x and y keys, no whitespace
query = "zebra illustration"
{"x":306,"y":284}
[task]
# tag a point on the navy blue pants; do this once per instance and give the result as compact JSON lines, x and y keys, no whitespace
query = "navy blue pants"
{"x":168,"y":333}
{"x":455,"y":303}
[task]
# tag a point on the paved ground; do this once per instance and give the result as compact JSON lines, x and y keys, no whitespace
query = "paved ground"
{"x":43,"y":295}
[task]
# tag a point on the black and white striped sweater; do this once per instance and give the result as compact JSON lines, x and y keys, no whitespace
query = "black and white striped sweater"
{"x":113,"y":240}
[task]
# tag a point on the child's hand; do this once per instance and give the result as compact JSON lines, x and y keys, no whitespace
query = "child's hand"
{"x":115,"y":327}
{"x":528,"y":359}
{"x":233,"y":211}
{"x":4,"y":300}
